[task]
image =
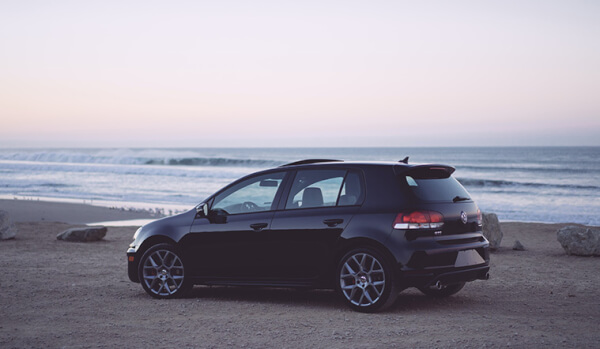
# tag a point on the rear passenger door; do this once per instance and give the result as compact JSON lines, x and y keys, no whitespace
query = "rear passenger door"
{"x":317,"y":207}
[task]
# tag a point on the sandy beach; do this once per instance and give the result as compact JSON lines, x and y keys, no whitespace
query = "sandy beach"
{"x":44,"y":211}
{"x":60,"y":294}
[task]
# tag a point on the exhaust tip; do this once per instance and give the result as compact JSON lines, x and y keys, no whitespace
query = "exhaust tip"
{"x":439,"y":285}
{"x":487,"y":276}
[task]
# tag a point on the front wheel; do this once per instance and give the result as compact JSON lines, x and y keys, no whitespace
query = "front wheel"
{"x":445,"y":291}
{"x":366,"y":280}
{"x":162,"y":272}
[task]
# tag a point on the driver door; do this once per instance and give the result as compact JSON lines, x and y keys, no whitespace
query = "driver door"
{"x":232,"y":242}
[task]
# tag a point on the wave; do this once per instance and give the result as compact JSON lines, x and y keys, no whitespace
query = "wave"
{"x":481,"y":183}
{"x":35,"y":184}
{"x":195,"y":161}
{"x":533,"y":168}
{"x":169,"y":172}
{"x":132,"y":157}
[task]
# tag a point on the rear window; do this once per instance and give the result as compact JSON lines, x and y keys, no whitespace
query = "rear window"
{"x":437,"y":189}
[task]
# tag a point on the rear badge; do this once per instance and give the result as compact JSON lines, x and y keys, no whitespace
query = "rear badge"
{"x":463,"y":217}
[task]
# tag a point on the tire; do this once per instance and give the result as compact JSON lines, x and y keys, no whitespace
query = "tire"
{"x":445,"y":291}
{"x":365,"y":280}
{"x":162,"y":272}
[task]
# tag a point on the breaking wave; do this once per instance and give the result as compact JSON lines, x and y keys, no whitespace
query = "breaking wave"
{"x":132,"y":157}
{"x":482,"y":183}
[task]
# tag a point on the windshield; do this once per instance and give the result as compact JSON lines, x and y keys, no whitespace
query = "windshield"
{"x":438,"y":189}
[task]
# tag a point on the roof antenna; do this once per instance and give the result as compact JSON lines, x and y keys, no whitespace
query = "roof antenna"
{"x":405,"y":160}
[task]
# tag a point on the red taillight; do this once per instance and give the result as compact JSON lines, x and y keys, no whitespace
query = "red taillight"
{"x":479,"y":217}
{"x":419,"y":220}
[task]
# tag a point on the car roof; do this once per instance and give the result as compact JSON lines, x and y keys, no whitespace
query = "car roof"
{"x":399,"y":167}
{"x":308,"y":162}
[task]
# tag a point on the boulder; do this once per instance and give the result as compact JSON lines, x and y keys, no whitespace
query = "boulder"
{"x":580,"y":241}
{"x":491,"y":230}
{"x":8,"y":230}
{"x":85,"y":234}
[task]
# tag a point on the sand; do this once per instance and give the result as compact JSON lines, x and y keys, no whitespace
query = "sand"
{"x":61,"y":294}
{"x":38,"y":211}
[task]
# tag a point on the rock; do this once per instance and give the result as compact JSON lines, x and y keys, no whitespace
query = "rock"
{"x":85,"y":234}
{"x":491,"y":230}
{"x":581,"y":241}
{"x":518,"y":246}
{"x":8,"y":230}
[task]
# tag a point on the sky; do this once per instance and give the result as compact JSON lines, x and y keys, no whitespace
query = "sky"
{"x":299,"y":73}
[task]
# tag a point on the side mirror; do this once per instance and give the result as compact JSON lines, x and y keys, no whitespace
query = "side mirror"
{"x":202,"y":210}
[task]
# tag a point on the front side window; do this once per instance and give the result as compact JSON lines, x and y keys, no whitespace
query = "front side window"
{"x":252,"y":195}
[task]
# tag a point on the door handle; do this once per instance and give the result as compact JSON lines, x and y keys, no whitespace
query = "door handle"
{"x":333,"y":222}
{"x":258,"y":226}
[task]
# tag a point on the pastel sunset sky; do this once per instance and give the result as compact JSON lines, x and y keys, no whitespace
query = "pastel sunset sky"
{"x":299,"y":73}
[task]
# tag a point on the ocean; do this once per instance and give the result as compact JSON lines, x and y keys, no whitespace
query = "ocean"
{"x":530,"y":184}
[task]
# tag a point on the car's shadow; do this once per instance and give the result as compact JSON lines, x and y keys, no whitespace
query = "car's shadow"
{"x":408,"y":300}
{"x":288,"y":296}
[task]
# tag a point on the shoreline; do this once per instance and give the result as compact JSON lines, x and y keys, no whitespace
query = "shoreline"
{"x":30,"y":211}
{"x":112,"y":204}
{"x":72,"y":211}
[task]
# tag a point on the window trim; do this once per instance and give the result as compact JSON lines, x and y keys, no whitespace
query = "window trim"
{"x":337,"y":201}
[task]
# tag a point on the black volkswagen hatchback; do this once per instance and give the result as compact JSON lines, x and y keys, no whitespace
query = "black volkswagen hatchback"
{"x":367,"y":229}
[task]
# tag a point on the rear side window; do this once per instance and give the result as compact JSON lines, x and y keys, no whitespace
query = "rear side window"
{"x":352,"y":190}
{"x":324,"y":188}
{"x":437,"y":189}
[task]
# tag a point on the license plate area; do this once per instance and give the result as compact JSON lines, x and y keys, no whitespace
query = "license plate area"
{"x":468,"y":257}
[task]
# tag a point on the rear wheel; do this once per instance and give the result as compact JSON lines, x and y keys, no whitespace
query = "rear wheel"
{"x":445,"y":291}
{"x":365,"y":280}
{"x":162,"y":272}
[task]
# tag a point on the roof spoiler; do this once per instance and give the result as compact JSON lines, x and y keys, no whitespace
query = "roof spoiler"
{"x":425,"y":171}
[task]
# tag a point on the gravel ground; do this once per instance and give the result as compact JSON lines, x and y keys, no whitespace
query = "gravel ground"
{"x":61,"y":294}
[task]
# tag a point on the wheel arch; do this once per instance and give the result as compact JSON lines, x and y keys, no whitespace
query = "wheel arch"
{"x":359,"y":242}
{"x":154,"y":240}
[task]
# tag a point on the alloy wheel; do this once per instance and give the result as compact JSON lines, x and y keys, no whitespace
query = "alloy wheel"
{"x":362,"y":279}
{"x":163,"y":273}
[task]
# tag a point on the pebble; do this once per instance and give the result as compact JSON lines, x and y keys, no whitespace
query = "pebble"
{"x":518,"y":246}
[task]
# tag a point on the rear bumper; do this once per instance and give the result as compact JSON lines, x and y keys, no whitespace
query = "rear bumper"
{"x":439,"y":259}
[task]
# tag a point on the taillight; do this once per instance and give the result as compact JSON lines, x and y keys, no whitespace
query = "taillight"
{"x":479,"y":217}
{"x":419,"y":220}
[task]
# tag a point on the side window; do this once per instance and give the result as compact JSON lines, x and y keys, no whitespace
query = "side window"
{"x":315,"y":188}
{"x":352,"y":191}
{"x":252,"y":195}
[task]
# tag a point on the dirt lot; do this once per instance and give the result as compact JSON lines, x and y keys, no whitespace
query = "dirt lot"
{"x":61,"y":294}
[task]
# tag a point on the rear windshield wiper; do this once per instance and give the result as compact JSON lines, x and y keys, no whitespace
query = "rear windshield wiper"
{"x":460,"y":198}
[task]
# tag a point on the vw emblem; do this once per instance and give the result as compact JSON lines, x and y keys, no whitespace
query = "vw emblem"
{"x":463,"y":217}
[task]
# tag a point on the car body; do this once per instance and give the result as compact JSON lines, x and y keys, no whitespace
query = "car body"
{"x":366,"y":229}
